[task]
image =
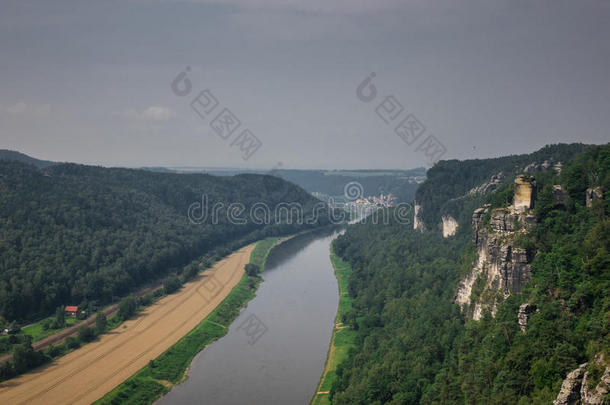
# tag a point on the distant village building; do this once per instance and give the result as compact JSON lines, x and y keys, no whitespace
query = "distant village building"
{"x":71,"y":310}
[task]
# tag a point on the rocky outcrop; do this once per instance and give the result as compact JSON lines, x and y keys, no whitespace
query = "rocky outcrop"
{"x":450,"y":225}
{"x":570,"y":388}
{"x":418,"y":224}
{"x":576,"y":390}
{"x":533,"y":168}
{"x":524,"y":192}
{"x":503,"y":266}
{"x":494,"y":182}
{"x":592,"y":195}
{"x":597,"y":394}
{"x":525,"y":310}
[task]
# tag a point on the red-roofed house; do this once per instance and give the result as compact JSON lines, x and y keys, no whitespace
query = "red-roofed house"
{"x":71,"y":310}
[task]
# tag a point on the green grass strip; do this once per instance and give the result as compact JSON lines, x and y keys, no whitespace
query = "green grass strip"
{"x":343,"y":337}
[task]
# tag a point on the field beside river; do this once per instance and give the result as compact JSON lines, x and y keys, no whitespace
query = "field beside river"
{"x":86,"y":374}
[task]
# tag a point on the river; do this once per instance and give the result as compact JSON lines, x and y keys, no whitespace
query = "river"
{"x":275,"y":351}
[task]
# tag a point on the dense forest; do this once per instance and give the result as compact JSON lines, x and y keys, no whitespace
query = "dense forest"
{"x":73,"y":234}
{"x":449,"y":181}
{"x":416,"y":346}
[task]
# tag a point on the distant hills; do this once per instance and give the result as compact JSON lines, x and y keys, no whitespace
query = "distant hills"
{"x":400,"y":183}
{"x":15,"y":156}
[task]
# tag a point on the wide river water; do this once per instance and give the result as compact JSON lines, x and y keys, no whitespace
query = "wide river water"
{"x":275,"y":350}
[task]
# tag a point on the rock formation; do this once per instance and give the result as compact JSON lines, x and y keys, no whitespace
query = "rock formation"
{"x":525,"y":310}
{"x":575,"y":388}
{"x":597,"y":394}
{"x":489,"y":186}
{"x":592,"y":195}
{"x":418,"y":224}
{"x":450,"y":225}
{"x":503,"y":266}
{"x":524,"y":193}
{"x":532,"y":168}
{"x":570,"y":388}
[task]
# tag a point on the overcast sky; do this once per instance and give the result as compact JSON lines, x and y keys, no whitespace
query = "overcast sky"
{"x":90,"y":81}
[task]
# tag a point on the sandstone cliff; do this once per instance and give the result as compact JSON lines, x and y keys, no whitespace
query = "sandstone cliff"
{"x":450,"y":225}
{"x":418,"y":224}
{"x":579,"y":388}
{"x":503,"y":263}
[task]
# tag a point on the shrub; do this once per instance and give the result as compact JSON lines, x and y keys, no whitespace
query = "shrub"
{"x":100,"y":322}
{"x":86,"y":334}
{"x":53,"y":351}
{"x":190,"y":272}
{"x":127,"y":308}
{"x":72,"y":342}
{"x":252,"y":270}
{"x":171,"y":285}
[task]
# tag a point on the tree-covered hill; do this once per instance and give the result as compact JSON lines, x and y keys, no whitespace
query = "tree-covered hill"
{"x":11,"y":155}
{"x":414,"y":344}
{"x":451,"y":179}
{"x":73,"y":234}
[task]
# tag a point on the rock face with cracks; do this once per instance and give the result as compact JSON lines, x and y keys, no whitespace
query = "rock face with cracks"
{"x":503,"y":265}
{"x":450,"y":226}
{"x":524,"y":193}
{"x":577,"y":390}
{"x":418,"y":224}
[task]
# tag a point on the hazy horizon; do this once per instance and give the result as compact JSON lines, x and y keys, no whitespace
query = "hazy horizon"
{"x":92,"y":83}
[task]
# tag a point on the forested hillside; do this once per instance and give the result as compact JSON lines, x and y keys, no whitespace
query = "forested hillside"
{"x":416,"y":346}
{"x":11,"y":155}
{"x":73,"y":234}
{"x":449,"y":180}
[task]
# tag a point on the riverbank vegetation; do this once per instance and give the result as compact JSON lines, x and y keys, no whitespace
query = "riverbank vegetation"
{"x":343,"y":335}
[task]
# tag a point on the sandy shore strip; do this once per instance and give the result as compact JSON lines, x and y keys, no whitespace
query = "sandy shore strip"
{"x":86,"y":374}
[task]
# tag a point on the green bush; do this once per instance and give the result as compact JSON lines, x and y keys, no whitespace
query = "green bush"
{"x":252,"y":269}
{"x":171,"y":285}
{"x":127,"y":308}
